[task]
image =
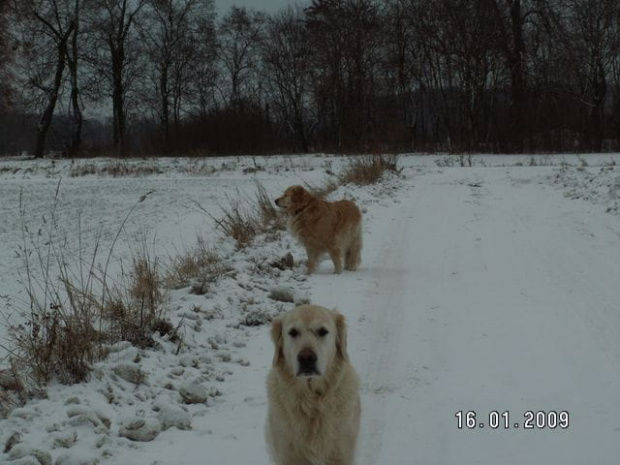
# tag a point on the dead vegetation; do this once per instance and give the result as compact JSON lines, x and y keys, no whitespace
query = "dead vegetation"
{"x":324,"y":189}
{"x":243,"y":219}
{"x":115,"y":169}
{"x":12,"y":391}
{"x":73,"y":309}
{"x":135,"y":307}
{"x":239,"y":223}
{"x":198,"y":267}
{"x":271,"y":218}
{"x":71,"y":321}
{"x":368,"y":169}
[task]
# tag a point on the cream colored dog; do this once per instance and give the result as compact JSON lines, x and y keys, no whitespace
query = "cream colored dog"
{"x":312,"y":389}
{"x":321,"y":226}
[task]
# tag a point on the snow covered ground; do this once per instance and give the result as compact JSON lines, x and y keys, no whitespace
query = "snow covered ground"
{"x":494,"y":287}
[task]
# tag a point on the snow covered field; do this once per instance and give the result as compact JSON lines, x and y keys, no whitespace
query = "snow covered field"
{"x":494,"y":287}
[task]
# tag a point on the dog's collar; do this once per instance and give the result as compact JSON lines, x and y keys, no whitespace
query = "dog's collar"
{"x":297,"y":212}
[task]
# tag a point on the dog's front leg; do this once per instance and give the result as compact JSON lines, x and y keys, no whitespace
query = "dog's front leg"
{"x":313,"y":258}
{"x":336,"y":256}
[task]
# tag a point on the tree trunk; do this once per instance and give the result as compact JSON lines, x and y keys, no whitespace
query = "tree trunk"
{"x":165,"y":106}
{"x":516,"y":61}
{"x":301,"y":141}
{"x":72,"y":62}
{"x":598,"y":116}
{"x":46,"y":119}
{"x":118,"y":101}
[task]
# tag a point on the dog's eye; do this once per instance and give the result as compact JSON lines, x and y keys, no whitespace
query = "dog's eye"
{"x":322,"y":332}
{"x":293,"y":333}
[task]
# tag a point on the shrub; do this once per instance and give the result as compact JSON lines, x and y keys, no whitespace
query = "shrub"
{"x":271,"y":217}
{"x":368,"y":169}
{"x":198,"y":266}
{"x":135,"y":307}
{"x":323,"y":190}
{"x":239,"y":224}
{"x":244,"y":219}
{"x":71,"y":313}
{"x":12,"y":392}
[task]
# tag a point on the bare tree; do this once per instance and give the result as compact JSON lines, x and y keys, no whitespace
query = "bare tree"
{"x":240,"y":33}
{"x":115,"y":57}
{"x":73,"y":53}
{"x":458,"y":70}
{"x":402,"y":70}
{"x":589,"y":31}
{"x":46,"y":28}
{"x":348,"y":56}
{"x":7,"y":138}
{"x":510,"y":18}
{"x":347,"y":75}
{"x":614,"y":89}
{"x":287,"y":58}
{"x":5,"y":58}
{"x":206,"y":71}
{"x":172,"y":32}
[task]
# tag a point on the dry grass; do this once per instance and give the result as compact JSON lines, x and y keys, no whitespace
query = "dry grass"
{"x":56,"y":345}
{"x":244,"y":219}
{"x":145,"y":283}
{"x":271,"y":217}
{"x":323,"y":190}
{"x":12,"y":392}
{"x":199,"y":267}
{"x":368,"y":169}
{"x":60,"y":340}
{"x":134,"y":309}
{"x":238,"y":223}
{"x":115,"y":169}
{"x":71,"y":312}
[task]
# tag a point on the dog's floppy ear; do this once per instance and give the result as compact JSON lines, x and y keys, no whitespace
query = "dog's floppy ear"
{"x":341,"y":337}
{"x":276,"y":336}
{"x":298,"y":194}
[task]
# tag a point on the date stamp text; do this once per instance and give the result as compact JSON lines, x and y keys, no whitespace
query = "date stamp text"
{"x":530,"y":420}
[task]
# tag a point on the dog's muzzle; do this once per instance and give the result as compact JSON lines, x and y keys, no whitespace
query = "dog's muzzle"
{"x":307,"y":363}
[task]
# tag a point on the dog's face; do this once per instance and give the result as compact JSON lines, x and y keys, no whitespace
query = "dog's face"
{"x":294,"y":198}
{"x":308,"y":340}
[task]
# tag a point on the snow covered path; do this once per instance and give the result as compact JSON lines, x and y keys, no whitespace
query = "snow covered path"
{"x":482,"y":292}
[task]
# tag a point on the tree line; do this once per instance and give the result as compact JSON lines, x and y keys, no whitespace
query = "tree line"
{"x":170,"y":77}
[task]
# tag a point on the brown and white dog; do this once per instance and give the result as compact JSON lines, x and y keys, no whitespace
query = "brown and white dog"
{"x":322,"y":226}
{"x":312,"y":390}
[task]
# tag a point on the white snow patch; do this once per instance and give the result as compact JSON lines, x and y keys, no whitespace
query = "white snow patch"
{"x":480,"y":289}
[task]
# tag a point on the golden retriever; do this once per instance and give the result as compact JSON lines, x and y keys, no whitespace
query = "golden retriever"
{"x":322,"y":226}
{"x":312,"y":390}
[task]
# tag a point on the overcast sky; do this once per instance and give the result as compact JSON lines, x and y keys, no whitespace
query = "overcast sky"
{"x":265,"y":5}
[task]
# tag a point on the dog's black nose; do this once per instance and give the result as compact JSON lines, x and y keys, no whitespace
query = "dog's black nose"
{"x":306,"y":359}
{"x":276,"y":202}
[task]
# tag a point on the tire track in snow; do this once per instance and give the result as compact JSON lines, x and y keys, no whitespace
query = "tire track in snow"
{"x":374,"y":304}
{"x":383,"y":313}
{"x":488,"y":299}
